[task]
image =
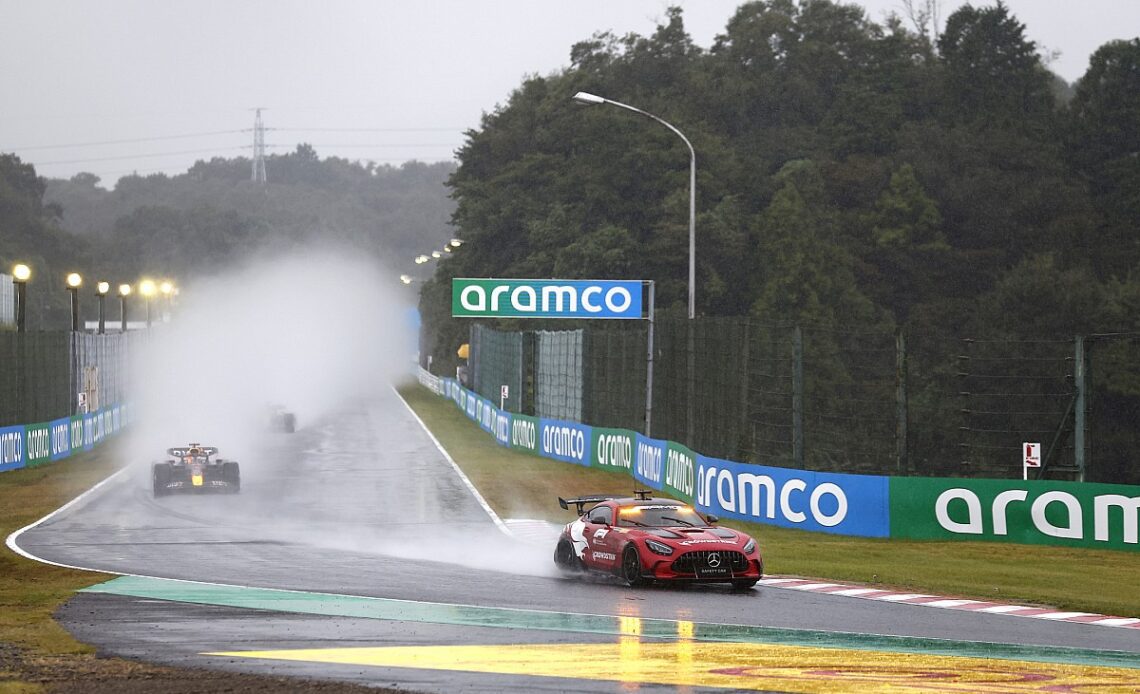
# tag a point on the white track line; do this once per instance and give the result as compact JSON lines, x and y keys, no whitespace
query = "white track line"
{"x":921,"y":600}
{"x":470,"y":487}
{"x":14,"y":537}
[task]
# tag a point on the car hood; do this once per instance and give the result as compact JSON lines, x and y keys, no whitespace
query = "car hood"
{"x":697,"y":537}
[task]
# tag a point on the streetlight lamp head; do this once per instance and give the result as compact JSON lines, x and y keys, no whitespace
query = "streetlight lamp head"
{"x":124,"y":290}
{"x":166,"y":287}
{"x":74,"y":280}
{"x":588,"y":98}
{"x":456,"y":243}
{"x":406,"y":279}
{"x":436,"y":254}
{"x":22,"y":272}
{"x":102,"y":288}
{"x":147,"y":288}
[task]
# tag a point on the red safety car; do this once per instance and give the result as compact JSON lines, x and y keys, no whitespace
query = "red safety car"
{"x":647,"y":539}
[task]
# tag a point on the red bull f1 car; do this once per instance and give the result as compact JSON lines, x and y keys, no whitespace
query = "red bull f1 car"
{"x":195,"y":469}
{"x":647,"y":539}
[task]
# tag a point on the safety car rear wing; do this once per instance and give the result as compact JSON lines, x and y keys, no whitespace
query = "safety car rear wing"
{"x":581,"y":501}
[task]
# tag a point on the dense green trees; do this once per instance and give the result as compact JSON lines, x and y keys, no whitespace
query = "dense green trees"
{"x":212,"y":216}
{"x":851,"y":175}
{"x":844,"y":168}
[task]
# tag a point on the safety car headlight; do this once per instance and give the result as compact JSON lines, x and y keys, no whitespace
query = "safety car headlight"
{"x":750,"y":547}
{"x":658,"y":547}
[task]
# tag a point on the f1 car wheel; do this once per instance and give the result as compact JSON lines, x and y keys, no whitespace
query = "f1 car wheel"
{"x":231,"y":474}
{"x":631,"y":567}
{"x":744,"y":583}
{"x":565,"y":558}
{"x":160,"y":477}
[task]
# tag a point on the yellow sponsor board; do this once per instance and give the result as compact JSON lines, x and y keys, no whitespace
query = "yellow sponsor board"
{"x":740,"y":666}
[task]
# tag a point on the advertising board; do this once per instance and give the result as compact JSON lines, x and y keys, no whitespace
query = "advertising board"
{"x":529,"y":298}
{"x":1075,"y":514}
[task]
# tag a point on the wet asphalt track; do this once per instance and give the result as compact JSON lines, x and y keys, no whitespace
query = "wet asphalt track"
{"x":367,"y":506}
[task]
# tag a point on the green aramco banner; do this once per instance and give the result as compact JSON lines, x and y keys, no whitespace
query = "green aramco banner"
{"x":1104,"y":516}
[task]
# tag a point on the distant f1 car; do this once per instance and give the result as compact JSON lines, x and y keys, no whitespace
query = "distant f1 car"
{"x":648,"y":539}
{"x":282,"y":420}
{"x":194,"y":469}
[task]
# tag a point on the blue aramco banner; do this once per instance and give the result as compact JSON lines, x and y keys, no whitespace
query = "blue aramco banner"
{"x":565,"y":441}
{"x":817,"y":501}
{"x":12,"y":448}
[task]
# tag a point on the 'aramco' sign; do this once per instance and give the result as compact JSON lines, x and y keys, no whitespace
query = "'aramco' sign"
{"x":485,"y":298}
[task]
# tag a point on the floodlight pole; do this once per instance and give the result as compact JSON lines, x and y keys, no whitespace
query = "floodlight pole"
{"x":649,"y":361}
{"x":587,"y":98}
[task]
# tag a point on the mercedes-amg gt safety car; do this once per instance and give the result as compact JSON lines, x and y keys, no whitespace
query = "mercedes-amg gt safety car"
{"x":195,"y":469}
{"x":646,"y":539}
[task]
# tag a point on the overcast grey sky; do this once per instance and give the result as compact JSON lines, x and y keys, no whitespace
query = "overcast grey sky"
{"x":411,"y":76}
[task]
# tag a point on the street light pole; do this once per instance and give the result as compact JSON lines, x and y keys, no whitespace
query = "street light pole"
{"x":587,"y":98}
{"x":124,"y":292}
{"x":147,"y":288}
{"x":21,"y":274}
{"x":74,"y":281}
{"x":101,"y":290}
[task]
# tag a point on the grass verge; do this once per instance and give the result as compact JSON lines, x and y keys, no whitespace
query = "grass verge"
{"x":518,"y":485}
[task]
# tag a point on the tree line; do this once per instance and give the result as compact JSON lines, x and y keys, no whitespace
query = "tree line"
{"x":849,"y":174}
{"x":212,"y":216}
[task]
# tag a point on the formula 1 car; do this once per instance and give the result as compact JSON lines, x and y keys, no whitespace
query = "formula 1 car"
{"x":194,"y":469}
{"x":648,"y":539}
{"x":282,"y":420}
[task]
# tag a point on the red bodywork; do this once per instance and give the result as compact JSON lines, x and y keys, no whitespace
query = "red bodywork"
{"x":671,"y":540}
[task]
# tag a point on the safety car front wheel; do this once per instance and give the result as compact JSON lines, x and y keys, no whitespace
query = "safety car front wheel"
{"x":631,"y":571}
{"x":565,"y":558}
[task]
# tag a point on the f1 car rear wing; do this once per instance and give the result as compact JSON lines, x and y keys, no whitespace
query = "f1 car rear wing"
{"x":192,"y":449}
{"x":581,"y":501}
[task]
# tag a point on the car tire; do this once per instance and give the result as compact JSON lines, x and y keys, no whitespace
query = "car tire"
{"x":744,"y":583}
{"x":160,"y":477}
{"x":631,"y":571}
{"x":565,"y":558}
{"x":231,"y":474}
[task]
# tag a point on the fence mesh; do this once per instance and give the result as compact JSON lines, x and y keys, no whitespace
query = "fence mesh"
{"x":848,"y":400}
{"x":43,"y":372}
{"x":496,"y":359}
{"x":7,"y":300}
{"x":558,"y":380}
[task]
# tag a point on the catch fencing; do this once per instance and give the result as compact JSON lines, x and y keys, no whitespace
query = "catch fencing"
{"x":831,"y":399}
{"x":1067,"y":514}
{"x":7,"y":301}
{"x":46,"y":375}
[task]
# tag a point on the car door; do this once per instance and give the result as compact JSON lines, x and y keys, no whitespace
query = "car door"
{"x":599,"y":535}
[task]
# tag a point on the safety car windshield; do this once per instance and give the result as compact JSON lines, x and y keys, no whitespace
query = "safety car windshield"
{"x":659,"y":517}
